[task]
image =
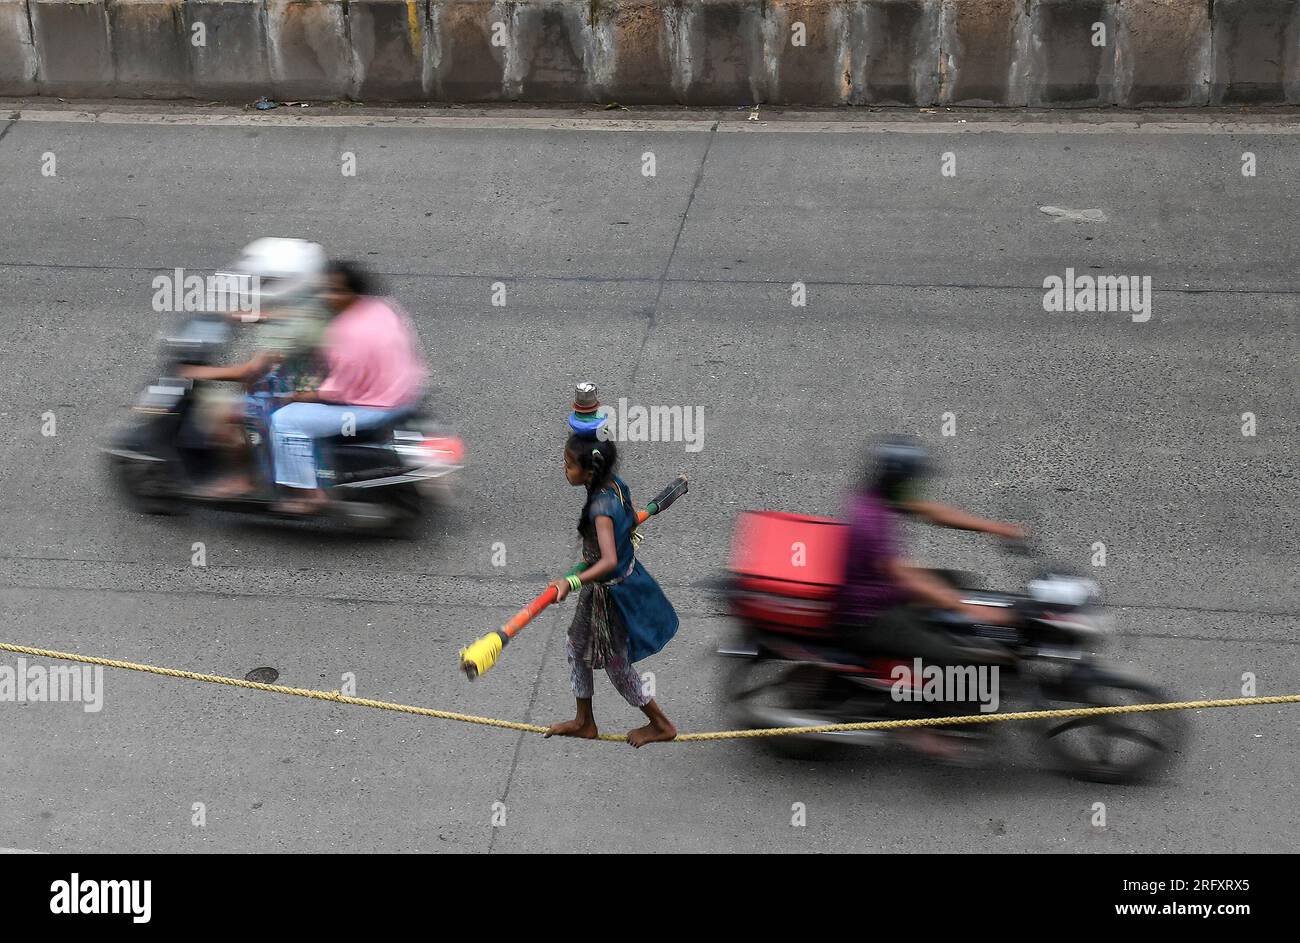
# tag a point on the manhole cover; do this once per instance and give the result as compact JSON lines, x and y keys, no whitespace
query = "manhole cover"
{"x":262,"y":675}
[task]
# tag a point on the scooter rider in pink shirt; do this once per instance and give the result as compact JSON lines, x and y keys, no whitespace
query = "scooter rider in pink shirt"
{"x":375,"y":373}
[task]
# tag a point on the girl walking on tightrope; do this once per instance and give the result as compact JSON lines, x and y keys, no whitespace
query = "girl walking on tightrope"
{"x":623,"y":615}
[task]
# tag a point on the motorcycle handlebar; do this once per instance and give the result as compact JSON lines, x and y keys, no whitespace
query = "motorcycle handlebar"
{"x":1019,"y":547}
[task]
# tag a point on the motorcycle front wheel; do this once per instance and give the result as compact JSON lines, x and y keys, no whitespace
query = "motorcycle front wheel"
{"x":1111,"y":748}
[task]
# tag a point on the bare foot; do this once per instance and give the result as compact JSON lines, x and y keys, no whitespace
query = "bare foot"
{"x":656,"y":731}
{"x":940,"y":747}
{"x":586,"y":729}
{"x":232,"y":487}
{"x":314,"y":504}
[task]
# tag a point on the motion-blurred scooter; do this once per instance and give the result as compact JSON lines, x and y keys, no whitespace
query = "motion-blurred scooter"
{"x":383,"y":479}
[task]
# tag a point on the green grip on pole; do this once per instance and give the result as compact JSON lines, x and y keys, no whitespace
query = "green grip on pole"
{"x":664,"y":499}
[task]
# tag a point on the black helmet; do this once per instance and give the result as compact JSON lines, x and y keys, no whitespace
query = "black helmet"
{"x":895,"y":465}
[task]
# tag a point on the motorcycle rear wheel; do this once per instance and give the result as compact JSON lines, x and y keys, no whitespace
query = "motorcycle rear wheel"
{"x":759,"y":690}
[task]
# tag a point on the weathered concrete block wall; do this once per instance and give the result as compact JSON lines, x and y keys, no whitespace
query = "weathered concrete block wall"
{"x":701,"y":52}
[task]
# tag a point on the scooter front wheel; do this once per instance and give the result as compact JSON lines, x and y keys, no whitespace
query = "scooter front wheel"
{"x":395,"y":511}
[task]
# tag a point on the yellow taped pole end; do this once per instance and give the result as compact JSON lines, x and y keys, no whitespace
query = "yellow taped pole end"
{"x":478,"y":657}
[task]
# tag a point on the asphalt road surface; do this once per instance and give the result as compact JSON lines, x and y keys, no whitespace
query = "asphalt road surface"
{"x":924,"y":297}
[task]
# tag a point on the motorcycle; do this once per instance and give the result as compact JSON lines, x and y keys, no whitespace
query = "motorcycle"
{"x":383,"y":479}
{"x":788,"y":668}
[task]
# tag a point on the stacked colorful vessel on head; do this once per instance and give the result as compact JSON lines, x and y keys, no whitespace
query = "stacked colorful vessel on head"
{"x":586,"y":419}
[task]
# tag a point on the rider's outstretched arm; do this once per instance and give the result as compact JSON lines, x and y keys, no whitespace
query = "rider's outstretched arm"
{"x":923,"y":586}
{"x":946,"y":516}
{"x":238,"y":373}
{"x":196,"y":372}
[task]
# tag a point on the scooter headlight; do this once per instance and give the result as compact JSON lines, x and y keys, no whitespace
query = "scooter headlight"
{"x":417,"y":450}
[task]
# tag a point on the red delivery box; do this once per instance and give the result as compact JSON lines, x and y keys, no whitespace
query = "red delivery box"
{"x":787,"y":569}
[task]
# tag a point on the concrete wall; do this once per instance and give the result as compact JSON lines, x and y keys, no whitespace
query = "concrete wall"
{"x":702,"y":52}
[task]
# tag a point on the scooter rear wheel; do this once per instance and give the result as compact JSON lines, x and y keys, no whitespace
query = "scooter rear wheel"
{"x":146,"y":486}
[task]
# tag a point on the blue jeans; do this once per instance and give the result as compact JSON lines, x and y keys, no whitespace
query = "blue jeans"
{"x":296,"y":427}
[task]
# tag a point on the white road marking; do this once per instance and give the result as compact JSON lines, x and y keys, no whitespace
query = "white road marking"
{"x":1060,"y":214}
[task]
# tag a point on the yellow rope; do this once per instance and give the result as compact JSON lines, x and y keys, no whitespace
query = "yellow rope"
{"x":341,"y":698}
{"x":993,"y":718}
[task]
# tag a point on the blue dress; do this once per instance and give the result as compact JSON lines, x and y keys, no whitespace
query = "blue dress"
{"x":648,"y":618}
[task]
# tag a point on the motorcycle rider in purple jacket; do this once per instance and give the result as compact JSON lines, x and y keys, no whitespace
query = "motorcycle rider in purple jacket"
{"x":883,"y":603}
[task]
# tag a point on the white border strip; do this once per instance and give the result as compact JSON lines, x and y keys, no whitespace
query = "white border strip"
{"x":290,"y":117}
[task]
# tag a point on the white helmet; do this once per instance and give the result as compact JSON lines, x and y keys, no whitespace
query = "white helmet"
{"x":283,"y":267}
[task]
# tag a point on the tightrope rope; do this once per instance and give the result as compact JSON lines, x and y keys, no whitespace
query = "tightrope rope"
{"x":340,"y":698}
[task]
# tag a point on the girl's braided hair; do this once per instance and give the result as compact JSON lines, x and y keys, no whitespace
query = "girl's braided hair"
{"x":599,"y":458}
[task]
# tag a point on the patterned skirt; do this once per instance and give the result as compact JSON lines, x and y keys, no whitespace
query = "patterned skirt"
{"x":597,"y":631}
